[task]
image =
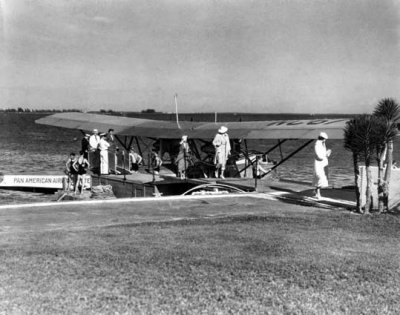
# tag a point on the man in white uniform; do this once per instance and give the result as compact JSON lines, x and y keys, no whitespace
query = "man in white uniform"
{"x":320,"y":164}
{"x":94,"y":140}
{"x":112,"y":151}
{"x":93,"y":150}
{"x":103,"y":147}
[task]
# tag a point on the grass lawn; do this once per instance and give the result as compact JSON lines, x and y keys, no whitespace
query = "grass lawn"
{"x":224,"y":256}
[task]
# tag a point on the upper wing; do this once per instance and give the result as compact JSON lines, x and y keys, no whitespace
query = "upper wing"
{"x":276,"y":129}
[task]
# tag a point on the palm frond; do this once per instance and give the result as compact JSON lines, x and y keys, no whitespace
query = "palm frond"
{"x":388,"y":108}
{"x":360,"y":136}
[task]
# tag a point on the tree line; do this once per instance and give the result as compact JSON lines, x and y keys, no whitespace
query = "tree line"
{"x":103,"y":111}
{"x":29,"y":110}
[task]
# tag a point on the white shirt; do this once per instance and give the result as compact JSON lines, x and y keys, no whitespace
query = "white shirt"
{"x":103,"y":144}
{"x":94,"y":141}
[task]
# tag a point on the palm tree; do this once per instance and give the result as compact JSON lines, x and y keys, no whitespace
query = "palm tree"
{"x":383,"y":132}
{"x":389,"y":110}
{"x":351,"y":145}
{"x":360,"y":140}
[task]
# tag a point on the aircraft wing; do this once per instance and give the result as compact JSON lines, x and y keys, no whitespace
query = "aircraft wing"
{"x":163,"y":129}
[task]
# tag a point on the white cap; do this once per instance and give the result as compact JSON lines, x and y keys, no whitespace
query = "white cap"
{"x":223,"y":129}
{"x":323,"y":135}
{"x":95,"y":130}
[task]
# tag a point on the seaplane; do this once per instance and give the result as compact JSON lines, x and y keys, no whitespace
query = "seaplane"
{"x":163,"y":136}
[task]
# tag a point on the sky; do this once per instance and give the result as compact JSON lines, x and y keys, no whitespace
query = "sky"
{"x":263,"y":56}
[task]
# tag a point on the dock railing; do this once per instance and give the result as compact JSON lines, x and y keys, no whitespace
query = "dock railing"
{"x":122,"y":163}
{"x":118,"y":162}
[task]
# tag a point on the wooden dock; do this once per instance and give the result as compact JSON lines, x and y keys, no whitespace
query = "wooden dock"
{"x":143,"y":185}
{"x":165,"y":184}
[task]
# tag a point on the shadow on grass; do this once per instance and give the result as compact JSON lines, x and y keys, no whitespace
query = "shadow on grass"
{"x":305,"y":198}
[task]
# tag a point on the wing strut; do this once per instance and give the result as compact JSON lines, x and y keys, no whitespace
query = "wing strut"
{"x":288,"y":157}
{"x":251,"y":163}
{"x":123,"y":143}
{"x":138,"y":146}
{"x":280,"y":142}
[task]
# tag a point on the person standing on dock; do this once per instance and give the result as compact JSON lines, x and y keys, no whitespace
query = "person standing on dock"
{"x":103,"y":147}
{"x":222,"y":151}
{"x":85,"y":145}
{"x":156,"y":162}
{"x":112,"y":151}
{"x":320,"y":164}
{"x":94,"y":153}
{"x":94,"y":140}
{"x":182,"y":160}
{"x":134,"y":159}
{"x":71,"y":172}
{"x":80,"y":165}
{"x":111,"y":139}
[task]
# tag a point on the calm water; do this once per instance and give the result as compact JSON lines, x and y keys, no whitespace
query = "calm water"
{"x":29,"y":148}
{"x":300,"y":166}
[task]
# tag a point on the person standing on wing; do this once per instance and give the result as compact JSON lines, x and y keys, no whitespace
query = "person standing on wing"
{"x":222,"y":151}
{"x":320,"y":164}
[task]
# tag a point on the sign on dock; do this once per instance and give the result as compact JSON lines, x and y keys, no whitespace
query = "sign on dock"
{"x":36,"y":181}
